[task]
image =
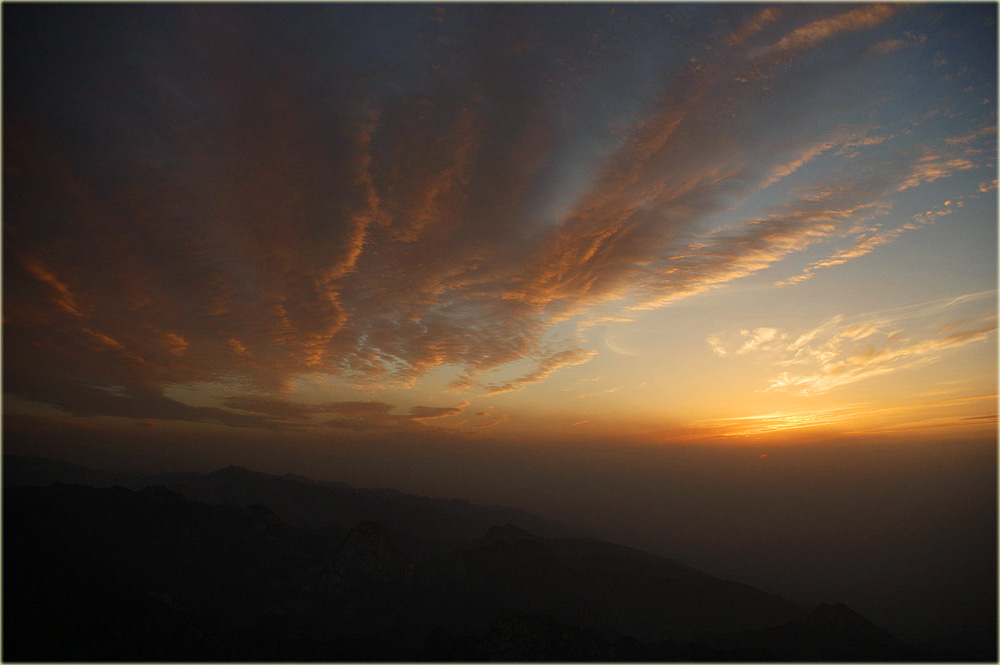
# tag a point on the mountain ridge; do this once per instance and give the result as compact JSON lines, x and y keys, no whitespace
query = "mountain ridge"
{"x":220,"y":571}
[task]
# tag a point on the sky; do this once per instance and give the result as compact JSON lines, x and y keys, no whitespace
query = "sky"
{"x":501,"y":251}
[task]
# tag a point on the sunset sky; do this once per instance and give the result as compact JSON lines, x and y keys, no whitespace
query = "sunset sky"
{"x":718,"y":223}
{"x":715,"y":280}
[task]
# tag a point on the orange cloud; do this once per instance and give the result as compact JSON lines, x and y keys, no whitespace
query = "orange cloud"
{"x":934,"y":167}
{"x":840,"y":352}
{"x":819,"y":31}
{"x":888,"y":46}
{"x":175,"y":344}
{"x":353,"y":415}
{"x":568,"y":357}
{"x":863,"y":245}
{"x":286,"y":222}
{"x":781,"y":421}
{"x":753,"y":25}
{"x":837,"y":370}
{"x":595,"y":394}
{"x":756,"y":338}
{"x":435,"y":412}
{"x":63,"y":296}
{"x":972,"y":136}
{"x":807,"y":155}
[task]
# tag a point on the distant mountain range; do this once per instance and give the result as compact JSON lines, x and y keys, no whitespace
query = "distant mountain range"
{"x":237,"y":565}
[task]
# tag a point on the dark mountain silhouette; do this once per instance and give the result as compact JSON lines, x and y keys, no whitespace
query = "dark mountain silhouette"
{"x":301,"y":501}
{"x":20,"y":471}
{"x":114,"y":574}
{"x":828,"y":632}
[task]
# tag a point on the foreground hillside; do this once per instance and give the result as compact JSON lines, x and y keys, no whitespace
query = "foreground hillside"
{"x":111,"y":574}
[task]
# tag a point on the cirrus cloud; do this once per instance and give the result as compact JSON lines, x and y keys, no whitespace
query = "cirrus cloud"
{"x":379,"y":205}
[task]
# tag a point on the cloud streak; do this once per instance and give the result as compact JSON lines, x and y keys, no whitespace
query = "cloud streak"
{"x":565,"y":358}
{"x":845,"y":351}
{"x":816,"y":32}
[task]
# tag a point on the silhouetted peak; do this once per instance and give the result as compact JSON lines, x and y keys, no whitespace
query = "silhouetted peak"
{"x":159,"y":492}
{"x":508,"y":533}
{"x":841,"y":618}
{"x":233,"y":471}
{"x":233,"y":468}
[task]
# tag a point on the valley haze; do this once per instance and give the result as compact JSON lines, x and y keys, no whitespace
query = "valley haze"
{"x":714,"y":281}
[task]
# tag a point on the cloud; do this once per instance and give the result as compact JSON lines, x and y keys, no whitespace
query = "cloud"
{"x":843,"y":351}
{"x":753,"y":25}
{"x":434,"y":412}
{"x":175,"y":344}
{"x":889,"y":352}
{"x":586,"y":324}
{"x":934,"y":167}
{"x":717,"y":346}
{"x":972,"y":136}
{"x":83,"y":400}
{"x":287,"y":409}
{"x":875,"y":362}
{"x":354,"y":415}
{"x":600,"y":392}
{"x":567,"y":357}
{"x":62,"y":296}
{"x":925,"y":169}
{"x":752,"y":246}
{"x":376,"y":205}
{"x":492,"y":422}
{"x":888,"y":46}
{"x":807,"y":155}
{"x":819,"y":31}
{"x":909,"y":416}
{"x":780,"y":421}
{"x":758,"y":337}
{"x":863,"y":244}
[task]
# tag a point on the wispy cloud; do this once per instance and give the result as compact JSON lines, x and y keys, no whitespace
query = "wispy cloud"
{"x":779,"y":421}
{"x":934,"y":167}
{"x":354,"y":415}
{"x":844,"y":351}
{"x":819,"y":31}
{"x":909,"y":416}
{"x":928,"y":167}
{"x":717,"y":346}
{"x":595,"y":394}
{"x":567,"y":357}
{"x":808,"y":154}
{"x":435,"y":412}
{"x":756,"y":338}
{"x":385,"y":212}
{"x":888,"y":46}
{"x":61,"y":296}
{"x":872,"y":362}
{"x":490,"y":422}
{"x":760,"y":20}
{"x":974,"y":135}
{"x":753,"y":246}
{"x":865,"y":243}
